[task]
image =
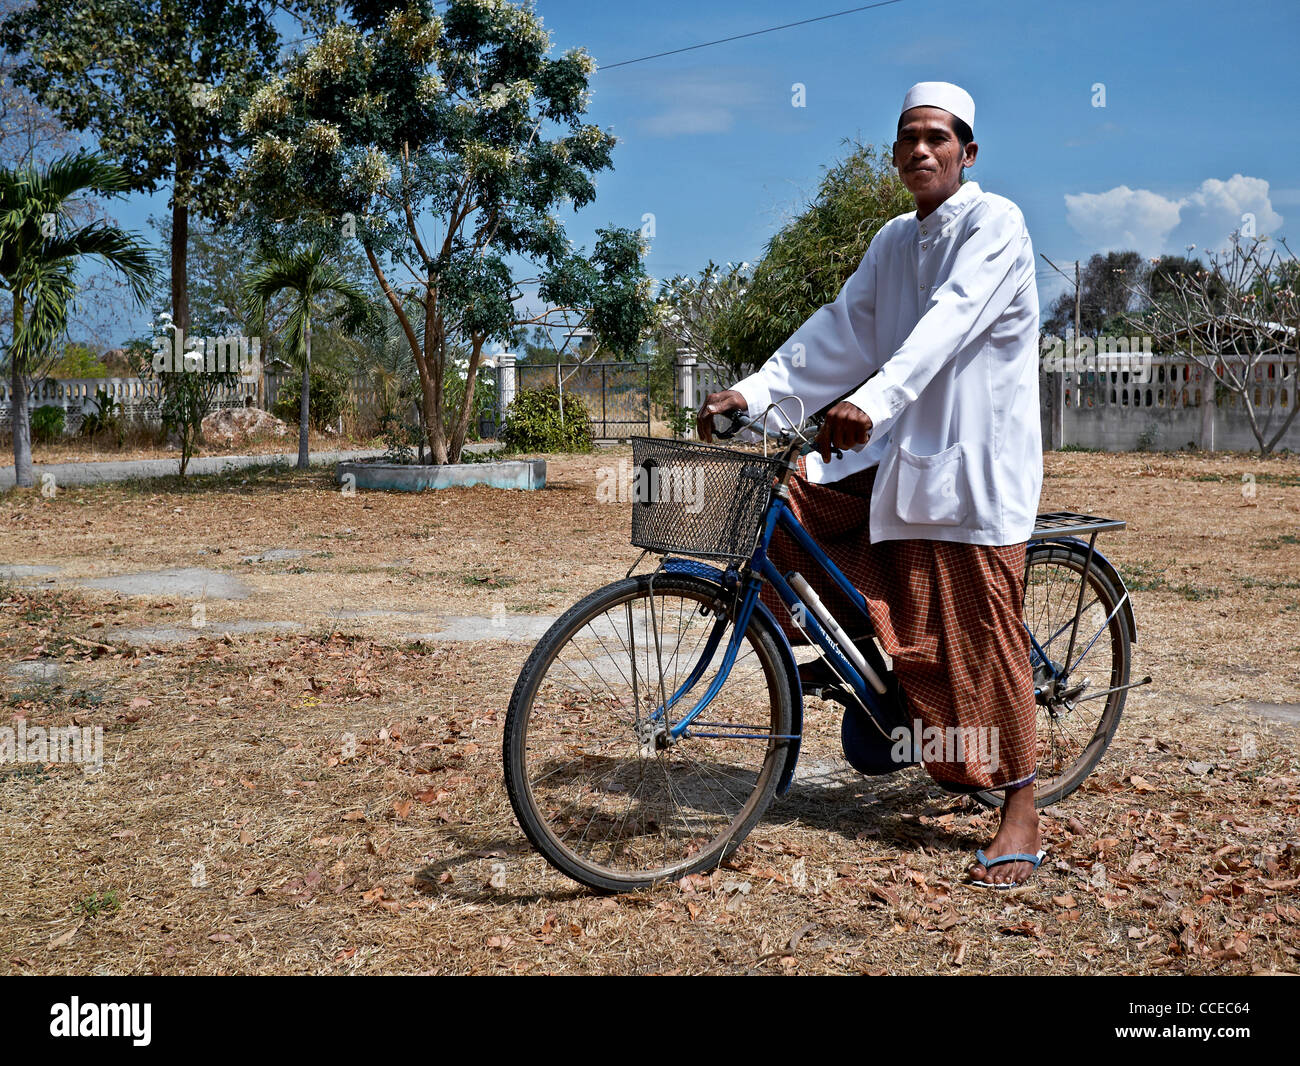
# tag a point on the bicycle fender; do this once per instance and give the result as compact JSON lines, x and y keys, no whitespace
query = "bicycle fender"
{"x":1111,"y":574}
{"x":765,"y":618}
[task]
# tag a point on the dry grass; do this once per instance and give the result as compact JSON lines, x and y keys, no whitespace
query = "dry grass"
{"x":233,"y":828}
{"x":146,"y":444}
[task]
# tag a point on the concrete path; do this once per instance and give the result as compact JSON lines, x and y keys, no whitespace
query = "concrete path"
{"x":94,"y":473}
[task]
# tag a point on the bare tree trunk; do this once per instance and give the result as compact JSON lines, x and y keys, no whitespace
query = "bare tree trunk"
{"x":180,"y":251}
{"x":22,"y":429}
{"x":1249,"y":404}
{"x":435,"y":359}
{"x":1286,"y":422}
{"x":467,"y":405}
{"x":1209,"y":402}
{"x":304,"y":401}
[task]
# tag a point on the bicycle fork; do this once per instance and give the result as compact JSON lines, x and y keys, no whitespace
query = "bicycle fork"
{"x":656,"y":730}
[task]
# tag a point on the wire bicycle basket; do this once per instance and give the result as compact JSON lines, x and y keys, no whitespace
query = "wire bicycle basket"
{"x":698,"y":499}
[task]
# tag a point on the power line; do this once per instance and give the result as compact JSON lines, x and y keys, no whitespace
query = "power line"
{"x":753,"y":33}
{"x":688,"y":48}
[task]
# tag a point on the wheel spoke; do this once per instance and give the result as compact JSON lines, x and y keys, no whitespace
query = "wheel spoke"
{"x":604,"y":794}
{"x":1067,"y":730}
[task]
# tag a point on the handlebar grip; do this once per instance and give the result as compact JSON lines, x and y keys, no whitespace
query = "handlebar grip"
{"x":726,"y":424}
{"x":811,"y":446}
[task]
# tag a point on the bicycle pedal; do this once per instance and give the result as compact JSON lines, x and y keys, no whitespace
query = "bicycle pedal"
{"x":831,"y":693}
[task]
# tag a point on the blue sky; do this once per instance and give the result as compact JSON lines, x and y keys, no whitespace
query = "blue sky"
{"x":1198,"y":126}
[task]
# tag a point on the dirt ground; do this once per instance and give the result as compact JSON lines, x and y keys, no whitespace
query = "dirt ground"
{"x":237,"y":827}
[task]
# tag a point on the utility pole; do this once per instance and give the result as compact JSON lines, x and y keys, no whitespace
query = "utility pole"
{"x":1057,"y":437}
{"x":1076,"y":312}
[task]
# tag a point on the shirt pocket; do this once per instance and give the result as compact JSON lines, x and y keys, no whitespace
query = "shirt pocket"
{"x":932,"y":488}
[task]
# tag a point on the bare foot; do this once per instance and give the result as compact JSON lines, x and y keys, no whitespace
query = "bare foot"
{"x":1017,"y":833}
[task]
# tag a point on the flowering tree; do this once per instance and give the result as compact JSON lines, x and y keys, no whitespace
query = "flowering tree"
{"x":691,"y":308}
{"x":447,"y":145}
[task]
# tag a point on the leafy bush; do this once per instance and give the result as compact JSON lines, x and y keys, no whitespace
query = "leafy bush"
{"x":399,"y":438}
{"x":107,"y":416}
{"x":184,"y":397}
{"x":329,"y":396}
{"x":533,"y":423}
{"x":807,"y":263}
{"x":453,"y":395}
{"x":681,"y":420}
{"x":47,"y":422}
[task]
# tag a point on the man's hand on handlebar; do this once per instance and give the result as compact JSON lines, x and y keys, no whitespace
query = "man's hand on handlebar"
{"x":717,"y":403}
{"x":846,"y":426}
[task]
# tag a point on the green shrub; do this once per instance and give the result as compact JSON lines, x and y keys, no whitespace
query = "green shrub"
{"x":107,"y":416}
{"x":399,"y":438}
{"x":329,"y":396}
{"x":681,"y":420}
{"x":533,"y":423}
{"x":485,"y":397}
{"x":47,"y":422}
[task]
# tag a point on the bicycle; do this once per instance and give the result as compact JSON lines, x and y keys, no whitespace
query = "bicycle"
{"x":626,"y":762}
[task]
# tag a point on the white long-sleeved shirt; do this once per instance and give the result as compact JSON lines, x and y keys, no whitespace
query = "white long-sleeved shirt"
{"x":935,"y":337}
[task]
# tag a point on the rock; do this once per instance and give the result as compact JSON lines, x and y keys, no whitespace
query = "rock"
{"x":274,"y":555}
{"x":242,"y":423}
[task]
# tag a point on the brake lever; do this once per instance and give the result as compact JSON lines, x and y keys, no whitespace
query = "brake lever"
{"x":811,"y":446}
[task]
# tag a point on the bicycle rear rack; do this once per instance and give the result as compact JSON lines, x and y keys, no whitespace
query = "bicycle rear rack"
{"x":1070,"y":523}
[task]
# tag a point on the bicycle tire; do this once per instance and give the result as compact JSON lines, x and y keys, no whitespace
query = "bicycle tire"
{"x":551,"y":720}
{"x":1060,"y":737}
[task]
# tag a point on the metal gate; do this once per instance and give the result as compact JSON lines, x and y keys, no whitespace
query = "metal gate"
{"x":617,"y":395}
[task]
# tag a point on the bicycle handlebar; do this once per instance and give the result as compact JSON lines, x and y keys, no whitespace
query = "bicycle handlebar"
{"x":727,"y":424}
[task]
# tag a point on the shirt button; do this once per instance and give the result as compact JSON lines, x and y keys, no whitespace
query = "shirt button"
{"x":924,"y":232}
{"x":925,"y":244}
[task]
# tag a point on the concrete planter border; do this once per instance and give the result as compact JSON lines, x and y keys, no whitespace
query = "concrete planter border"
{"x":403,"y":477}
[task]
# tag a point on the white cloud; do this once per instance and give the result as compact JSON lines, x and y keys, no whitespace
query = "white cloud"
{"x":689,"y":118}
{"x":1154,"y":224}
{"x":1122,"y":218}
{"x":699,"y":103}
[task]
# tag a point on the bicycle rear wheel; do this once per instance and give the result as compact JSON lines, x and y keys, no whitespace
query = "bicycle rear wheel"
{"x":1076,"y":722}
{"x":594,"y":781}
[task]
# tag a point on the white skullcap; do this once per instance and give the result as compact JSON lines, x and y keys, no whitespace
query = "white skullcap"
{"x":944,"y":95}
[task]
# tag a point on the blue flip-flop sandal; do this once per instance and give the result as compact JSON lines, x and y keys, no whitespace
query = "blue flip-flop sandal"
{"x":988,"y":864}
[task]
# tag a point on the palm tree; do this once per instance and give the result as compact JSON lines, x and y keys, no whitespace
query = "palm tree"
{"x":311,"y":277}
{"x":39,"y":257}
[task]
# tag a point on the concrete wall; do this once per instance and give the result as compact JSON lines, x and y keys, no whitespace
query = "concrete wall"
{"x":1162,"y":408}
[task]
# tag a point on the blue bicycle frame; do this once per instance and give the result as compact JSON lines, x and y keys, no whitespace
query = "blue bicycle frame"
{"x":761,"y":569}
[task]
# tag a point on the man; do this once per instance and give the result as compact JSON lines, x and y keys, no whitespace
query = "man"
{"x":929,"y":360}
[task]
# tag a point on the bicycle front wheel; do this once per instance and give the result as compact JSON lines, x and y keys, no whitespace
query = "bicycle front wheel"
{"x":597,"y":784}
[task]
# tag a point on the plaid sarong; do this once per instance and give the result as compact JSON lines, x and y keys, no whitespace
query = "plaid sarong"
{"x":948,"y":614}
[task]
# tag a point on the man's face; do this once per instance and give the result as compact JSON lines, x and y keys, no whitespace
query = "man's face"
{"x":928,"y":155}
